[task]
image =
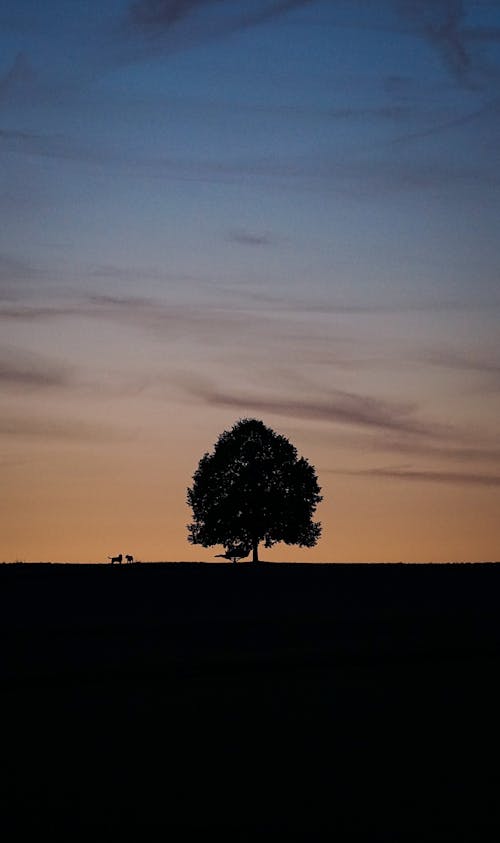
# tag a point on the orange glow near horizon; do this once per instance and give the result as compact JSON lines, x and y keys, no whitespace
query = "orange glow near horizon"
{"x":83,"y":503}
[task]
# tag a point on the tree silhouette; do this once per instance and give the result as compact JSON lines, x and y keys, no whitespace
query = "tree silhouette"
{"x":253,"y":487}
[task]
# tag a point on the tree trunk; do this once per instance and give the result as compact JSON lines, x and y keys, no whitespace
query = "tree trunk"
{"x":255,"y":546}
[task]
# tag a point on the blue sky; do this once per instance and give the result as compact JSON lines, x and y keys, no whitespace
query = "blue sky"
{"x":213,"y":209}
{"x":331,"y":131}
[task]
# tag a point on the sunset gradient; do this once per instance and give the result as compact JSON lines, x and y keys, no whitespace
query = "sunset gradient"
{"x":225,"y":209}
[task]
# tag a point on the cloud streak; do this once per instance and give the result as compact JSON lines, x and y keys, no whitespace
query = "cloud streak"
{"x":447,"y":477}
{"x":362,"y":178}
{"x":162,"y":14}
{"x":14,"y":273}
{"x":151,"y":312}
{"x":492,"y":107}
{"x":204,"y":323}
{"x":157,"y":17}
{"x":19,"y":77}
{"x":162,"y":27}
{"x":57,"y":146}
{"x":462,"y":363}
{"x":371,"y":424}
{"x":249,"y":238}
{"x":486,"y":368}
{"x":441,"y":24}
{"x":38,"y":312}
{"x":458,"y":450}
{"x":23,"y":371}
{"x":338,"y":407}
{"x":60,"y":430}
{"x":444,"y":24}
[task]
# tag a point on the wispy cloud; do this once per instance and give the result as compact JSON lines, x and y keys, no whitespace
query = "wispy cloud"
{"x":15,"y":274}
{"x":487,"y":368}
{"x":149,"y":14}
{"x":444,"y":24}
{"x":448,"y":477}
{"x":20,"y":370}
{"x":253,"y":321}
{"x":490,"y":108}
{"x":462,"y":362}
{"x":58,"y":146}
{"x":162,"y":27}
{"x":361,"y":178}
{"x":441,"y":23}
{"x":460,"y":448}
{"x":484,"y":34}
{"x":18,"y":78}
{"x":118,"y":272}
{"x":155,"y":17}
{"x":364,"y":423}
{"x":204,"y":323}
{"x":336,"y":407}
{"x":37,"y":312}
{"x":249,"y":238}
{"x":31,"y":427}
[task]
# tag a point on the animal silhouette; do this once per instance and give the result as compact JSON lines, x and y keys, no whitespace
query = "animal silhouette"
{"x":129,"y":558}
{"x":116,"y":559}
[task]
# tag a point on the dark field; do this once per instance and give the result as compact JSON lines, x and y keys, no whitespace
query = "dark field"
{"x":249,"y":702}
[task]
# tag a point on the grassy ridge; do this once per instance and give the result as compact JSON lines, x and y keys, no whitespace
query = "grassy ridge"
{"x":305,"y":701}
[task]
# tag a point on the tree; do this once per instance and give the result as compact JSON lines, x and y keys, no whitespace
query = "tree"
{"x":253,"y":488}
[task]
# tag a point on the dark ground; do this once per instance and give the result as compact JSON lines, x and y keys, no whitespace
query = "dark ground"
{"x":294,"y":702}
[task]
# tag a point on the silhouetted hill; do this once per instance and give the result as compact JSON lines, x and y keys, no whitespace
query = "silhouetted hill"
{"x":251,"y":702}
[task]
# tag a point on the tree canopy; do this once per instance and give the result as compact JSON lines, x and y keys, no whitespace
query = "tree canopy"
{"x":253,"y":488}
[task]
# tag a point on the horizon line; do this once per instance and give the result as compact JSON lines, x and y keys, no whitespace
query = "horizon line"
{"x":20,"y":562}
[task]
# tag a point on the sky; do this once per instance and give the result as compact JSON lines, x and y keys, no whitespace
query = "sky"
{"x":278,"y":209}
